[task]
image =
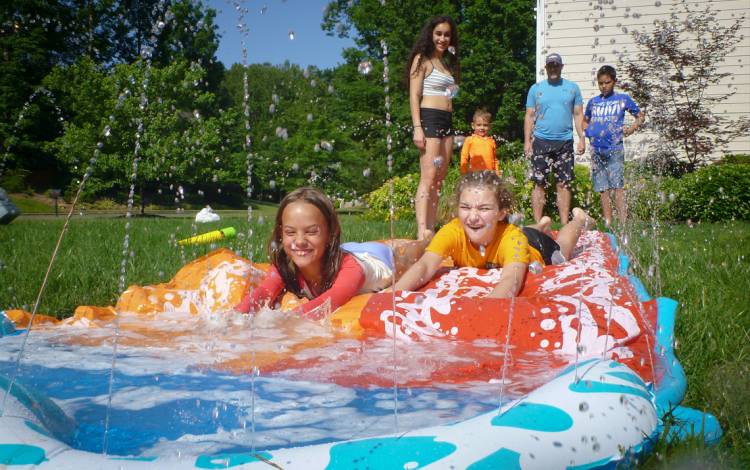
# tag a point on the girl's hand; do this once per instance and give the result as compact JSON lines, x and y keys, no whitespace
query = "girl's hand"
{"x":419,"y":139}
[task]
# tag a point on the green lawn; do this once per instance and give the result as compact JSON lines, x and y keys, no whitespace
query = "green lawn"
{"x":28,"y":205}
{"x":705,"y":267}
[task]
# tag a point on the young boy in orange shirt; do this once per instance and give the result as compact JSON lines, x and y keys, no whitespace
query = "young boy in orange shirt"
{"x":478,"y":152}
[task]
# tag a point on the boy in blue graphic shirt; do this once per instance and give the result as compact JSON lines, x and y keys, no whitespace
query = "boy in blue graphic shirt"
{"x":604,"y":120}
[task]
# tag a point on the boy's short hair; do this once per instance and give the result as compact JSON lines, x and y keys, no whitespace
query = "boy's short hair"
{"x":607,"y":70}
{"x":482,"y":113}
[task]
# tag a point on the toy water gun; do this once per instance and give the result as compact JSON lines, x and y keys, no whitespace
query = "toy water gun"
{"x":209,"y":237}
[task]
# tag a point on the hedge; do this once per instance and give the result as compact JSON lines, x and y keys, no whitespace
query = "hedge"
{"x":515,"y":172}
{"x":712,"y":193}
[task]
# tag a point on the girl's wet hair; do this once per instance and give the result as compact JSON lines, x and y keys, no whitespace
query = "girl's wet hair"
{"x":486,"y":179}
{"x":333,"y":254}
{"x":424,"y":48}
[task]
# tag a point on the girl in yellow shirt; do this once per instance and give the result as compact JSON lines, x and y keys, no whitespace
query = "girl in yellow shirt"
{"x":480,"y":237}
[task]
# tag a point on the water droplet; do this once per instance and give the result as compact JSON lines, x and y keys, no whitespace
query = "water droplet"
{"x":107,"y":131}
{"x":452,"y":50}
{"x":309,"y":117}
{"x":451,"y":91}
{"x":583,"y":406}
{"x":438,"y":162}
{"x":264,"y":9}
{"x":557,"y":257}
{"x":366,"y":172}
{"x":535,"y":267}
{"x":291,"y":35}
{"x":515,"y":218}
{"x":272,"y":184}
{"x":364,"y":67}
{"x":282,"y":133}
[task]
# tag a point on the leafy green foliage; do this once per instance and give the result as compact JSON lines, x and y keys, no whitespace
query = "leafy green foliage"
{"x":515,"y":174}
{"x":740,"y":158}
{"x":716,"y":192}
{"x":404,"y":189}
{"x":496,"y":48}
{"x":712,"y":193}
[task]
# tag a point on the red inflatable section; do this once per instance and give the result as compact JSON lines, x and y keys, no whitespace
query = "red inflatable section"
{"x":581,"y":308}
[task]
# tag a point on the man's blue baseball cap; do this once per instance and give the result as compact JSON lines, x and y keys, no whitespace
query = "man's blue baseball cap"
{"x":554,"y":58}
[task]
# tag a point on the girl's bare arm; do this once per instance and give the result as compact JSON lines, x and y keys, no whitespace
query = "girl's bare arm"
{"x":421,"y":272}
{"x":511,"y":281}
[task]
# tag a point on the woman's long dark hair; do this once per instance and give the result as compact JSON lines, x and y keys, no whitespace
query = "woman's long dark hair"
{"x":424,"y":47}
{"x":332,"y":257}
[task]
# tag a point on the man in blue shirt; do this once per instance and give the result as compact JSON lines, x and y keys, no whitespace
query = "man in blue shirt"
{"x":550,"y":106}
{"x":604,"y":122}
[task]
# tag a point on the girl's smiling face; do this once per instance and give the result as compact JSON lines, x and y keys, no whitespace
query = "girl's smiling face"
{"x":479,"y":213}
{"x":441,"y":37}
{"x":305,"y":238}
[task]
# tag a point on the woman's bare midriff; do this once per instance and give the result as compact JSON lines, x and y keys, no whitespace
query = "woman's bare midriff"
{"x":437,"y":102}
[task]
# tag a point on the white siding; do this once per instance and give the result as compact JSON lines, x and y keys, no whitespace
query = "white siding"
{"x":592,"y":33}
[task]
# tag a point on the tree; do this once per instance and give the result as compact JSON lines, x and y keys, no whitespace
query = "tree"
{"x":676,"y":77}
{"x":497,"y":49}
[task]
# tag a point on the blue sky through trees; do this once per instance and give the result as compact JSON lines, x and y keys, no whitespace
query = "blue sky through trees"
{"x":269,"y":40}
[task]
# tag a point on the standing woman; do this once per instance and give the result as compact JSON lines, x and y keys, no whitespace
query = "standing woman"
{"x":432,"y":73}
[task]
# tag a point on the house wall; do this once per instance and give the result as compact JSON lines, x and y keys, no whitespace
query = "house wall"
{"x":592,"y":33}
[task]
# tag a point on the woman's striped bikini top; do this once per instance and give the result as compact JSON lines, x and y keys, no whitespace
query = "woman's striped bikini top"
{"x":436,"y":83}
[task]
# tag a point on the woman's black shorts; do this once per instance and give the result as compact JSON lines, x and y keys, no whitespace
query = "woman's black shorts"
{"x":435,"y":122}
{"x":542,"y":242}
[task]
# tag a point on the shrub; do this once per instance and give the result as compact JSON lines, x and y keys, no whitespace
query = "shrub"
{"x":514,"y":171}
{"x":740,"y":158}
{"x":14,"y":181}
{"x":404,"y":189}
{"x":713,"y":193}
{"x":663,"y":163}
{"x":648,"y":197}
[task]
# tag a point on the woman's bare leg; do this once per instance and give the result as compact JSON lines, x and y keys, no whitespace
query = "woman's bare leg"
{"x":426,"y":188}
{"x":568,"y":235}
{"x":446,"y":151}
